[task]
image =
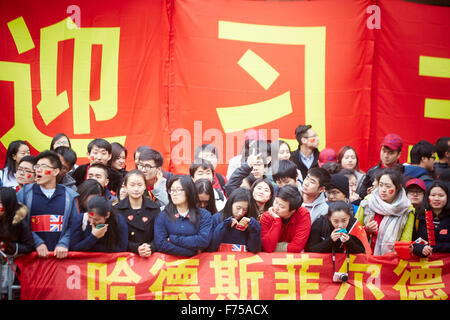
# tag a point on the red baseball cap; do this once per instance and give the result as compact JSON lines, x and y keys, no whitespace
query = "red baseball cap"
{"x":393,"y":141}
{"x":327,"y":155}
{"x":417,"y":182}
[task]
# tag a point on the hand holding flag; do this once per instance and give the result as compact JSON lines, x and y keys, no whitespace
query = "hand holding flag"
{"x":358,"y":231}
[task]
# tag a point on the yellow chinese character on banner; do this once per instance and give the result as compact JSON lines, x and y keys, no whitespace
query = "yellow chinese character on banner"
{"x":313,"y":39}
{"x":100,"y":282}
{"x":304,"y":276}
{"x":52,"y":103}
{"x":422,"y":282}
{"x":225,"y":277}
{"x":177,"y":280}
{"x":356,"y":272}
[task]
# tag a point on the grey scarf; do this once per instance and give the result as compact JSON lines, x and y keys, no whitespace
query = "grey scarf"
{"x":394,"y":220}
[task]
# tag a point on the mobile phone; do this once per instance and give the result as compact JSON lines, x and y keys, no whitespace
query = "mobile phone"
{"x":343,"y":230}
{"x":99,"y":226}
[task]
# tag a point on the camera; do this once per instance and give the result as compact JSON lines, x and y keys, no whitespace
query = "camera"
{"x":340,"y":277}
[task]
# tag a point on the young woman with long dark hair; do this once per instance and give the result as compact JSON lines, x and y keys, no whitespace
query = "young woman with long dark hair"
{"x":99,"y":229}
{"x":181,"y":228}
{"x":235,"y":228}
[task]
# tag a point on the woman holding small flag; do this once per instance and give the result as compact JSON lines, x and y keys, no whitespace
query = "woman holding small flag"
{"x":435,"y":231}
{"x":338,"y":229}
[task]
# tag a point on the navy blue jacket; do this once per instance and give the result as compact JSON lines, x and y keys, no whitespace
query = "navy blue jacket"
{"x":223,"y":233}
{"x":414,"y":171}
{"x":84,"y":240}
{"x":141,"y":223}
{"x":441,"y":234}
{"x":185,"y":239}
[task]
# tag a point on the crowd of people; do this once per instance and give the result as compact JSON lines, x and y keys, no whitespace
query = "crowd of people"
{"x":271,"y":199}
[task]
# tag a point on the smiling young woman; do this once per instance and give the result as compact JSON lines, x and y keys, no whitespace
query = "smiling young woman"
{"x":436,"y":199}
{"x":387,"y":213}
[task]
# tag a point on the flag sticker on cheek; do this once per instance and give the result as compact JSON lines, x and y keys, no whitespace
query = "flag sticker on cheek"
{"x":391,"y":191}
{"x":29,"y":176}
{"x":92,"y":158}
{"x":48,"y":172}
{"x":2,"y":209}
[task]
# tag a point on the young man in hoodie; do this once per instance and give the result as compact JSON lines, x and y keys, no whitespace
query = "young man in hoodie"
{"x":313,"y":192}
{"x":422,"y":162}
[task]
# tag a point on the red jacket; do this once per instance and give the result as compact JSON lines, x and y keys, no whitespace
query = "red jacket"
{"x":295,"y":232}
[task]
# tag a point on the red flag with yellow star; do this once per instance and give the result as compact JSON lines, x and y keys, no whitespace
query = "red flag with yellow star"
{"x":358,"y":231}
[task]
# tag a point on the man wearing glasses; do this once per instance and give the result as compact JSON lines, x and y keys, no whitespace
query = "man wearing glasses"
{"x":307,"y":154}
{"x":150,"y":163}
{"x":51,"y":207}
{"x":25,"y":173}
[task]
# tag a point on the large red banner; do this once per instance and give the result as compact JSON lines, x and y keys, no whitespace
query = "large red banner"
{"x":177,"y":73}
{"x":243,"y":276}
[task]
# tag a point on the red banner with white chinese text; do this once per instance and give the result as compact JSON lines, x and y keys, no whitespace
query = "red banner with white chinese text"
{"x":235,"y":276}
{"x":174,"y":74}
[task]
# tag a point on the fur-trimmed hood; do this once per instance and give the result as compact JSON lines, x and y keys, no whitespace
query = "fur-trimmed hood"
{"x":21,"y":213}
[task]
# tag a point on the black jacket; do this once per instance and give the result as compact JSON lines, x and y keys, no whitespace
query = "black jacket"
{"x":295,"y":157}
{"x":441,"y":233}
{"x":18,"y":238}
{"x":320,"y":238}
{"x":236,"y":178}
{"x":140,"y":222}
{"x":115,"y":179}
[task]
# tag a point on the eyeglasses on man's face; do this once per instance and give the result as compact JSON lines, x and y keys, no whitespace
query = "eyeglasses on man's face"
{"x":24,"y":170}
{"x":145,"y":166}
{"x":42,"y":166}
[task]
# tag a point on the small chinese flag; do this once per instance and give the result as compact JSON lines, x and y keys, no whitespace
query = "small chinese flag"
{"x":358,"y":231}
{"x":430,"y":227}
